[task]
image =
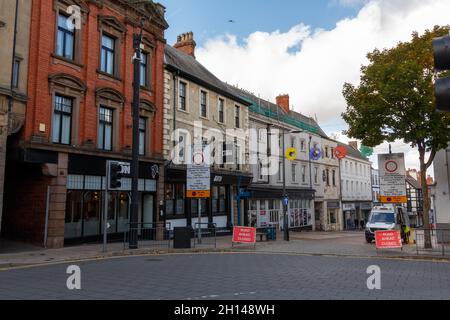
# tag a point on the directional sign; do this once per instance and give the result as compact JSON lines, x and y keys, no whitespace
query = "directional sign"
{"x":392,"y":178}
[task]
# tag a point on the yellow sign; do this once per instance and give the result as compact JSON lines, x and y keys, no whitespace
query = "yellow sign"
{"x":199,"y":194}
{"x":393,"y":199}
{"x":291,"y":154}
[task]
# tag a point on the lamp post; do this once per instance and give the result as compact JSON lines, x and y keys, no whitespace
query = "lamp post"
{"x":137,"y":40}
{"x":285,"y":195}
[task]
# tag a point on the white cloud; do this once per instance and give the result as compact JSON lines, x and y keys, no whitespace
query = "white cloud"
{"x":312,"y":65}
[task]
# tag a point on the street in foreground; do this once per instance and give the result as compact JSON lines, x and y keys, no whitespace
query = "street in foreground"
{"x":235,"y":276}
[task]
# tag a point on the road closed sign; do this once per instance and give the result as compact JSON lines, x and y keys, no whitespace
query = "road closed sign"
{"x":392,"y":178}
{"x":244,"y":235}
{"x":388,"y":239}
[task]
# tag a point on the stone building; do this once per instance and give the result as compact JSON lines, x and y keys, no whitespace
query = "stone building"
{"x":312,"y":186}
{"x":80,"y":87}
{"x":15,"y":17}
{"x":201,"y":110}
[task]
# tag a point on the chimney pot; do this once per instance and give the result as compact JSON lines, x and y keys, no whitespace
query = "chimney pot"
{"x":283,"y":102}
{"x":186,"y":44}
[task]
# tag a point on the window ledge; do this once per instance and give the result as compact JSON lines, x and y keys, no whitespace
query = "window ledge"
{"x":66,"y":60}
{"x":108,"y":75}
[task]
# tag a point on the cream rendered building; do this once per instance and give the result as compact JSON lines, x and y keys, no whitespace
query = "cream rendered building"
{"x":194,"y":97}
{"x":14,"y":38}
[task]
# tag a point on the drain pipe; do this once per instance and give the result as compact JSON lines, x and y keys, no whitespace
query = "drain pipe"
{"x":46,"y":217}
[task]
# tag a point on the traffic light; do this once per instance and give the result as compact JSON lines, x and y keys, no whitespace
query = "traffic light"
{"x":115,"y":174}
{"x":441,"y":49}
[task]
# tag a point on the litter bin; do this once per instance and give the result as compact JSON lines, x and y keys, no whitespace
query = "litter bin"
{"x":271,"y":234}
{"x":182,"y":238}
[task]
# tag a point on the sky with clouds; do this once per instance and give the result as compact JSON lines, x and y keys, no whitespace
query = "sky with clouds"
{"x":307,"y":49}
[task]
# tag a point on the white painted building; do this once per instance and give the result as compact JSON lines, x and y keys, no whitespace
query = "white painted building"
{"x":442,"y":188}
{"x":356,"y":180}
{"x":375,"y":186}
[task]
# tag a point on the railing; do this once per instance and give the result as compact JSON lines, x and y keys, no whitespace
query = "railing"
{"x":440,"y":241}
{"x":205,"y":235}
{"x":149,"y":235}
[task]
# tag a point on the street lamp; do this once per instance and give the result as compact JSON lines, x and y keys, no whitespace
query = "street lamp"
{"x":137,"y":40}
{"x":285,"y":195}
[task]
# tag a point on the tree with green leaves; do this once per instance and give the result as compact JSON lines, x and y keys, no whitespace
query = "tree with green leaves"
{"x":395,"y":101}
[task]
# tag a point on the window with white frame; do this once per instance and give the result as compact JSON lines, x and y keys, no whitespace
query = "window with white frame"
{"x":203,"y":104}
{"x":221,"y":108}
{"x":294,"y":173}
{"x":62,"y":120}
{"x":183,"y":96}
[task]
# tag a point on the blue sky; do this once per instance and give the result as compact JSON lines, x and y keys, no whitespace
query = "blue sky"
{"x":209,"y":18}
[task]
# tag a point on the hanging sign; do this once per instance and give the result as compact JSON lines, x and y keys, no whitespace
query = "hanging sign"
{"x":340,"y":152}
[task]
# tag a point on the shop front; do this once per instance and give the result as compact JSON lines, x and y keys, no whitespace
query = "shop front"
{"x":333,"y":208}
{"x":266,"y":207}
{"x":218,"y":210}
{"x":85,"y":200}
{"x":351,"y":220}
{"x":366,"y":208}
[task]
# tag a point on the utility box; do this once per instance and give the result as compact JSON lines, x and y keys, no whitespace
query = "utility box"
{"x":182,"y":237}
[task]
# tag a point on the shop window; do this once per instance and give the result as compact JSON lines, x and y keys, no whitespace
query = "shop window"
{"x":73,"y":220}
{"x":219,"y":199}
{"x":92,"y":212}
{"x":175,"y":197}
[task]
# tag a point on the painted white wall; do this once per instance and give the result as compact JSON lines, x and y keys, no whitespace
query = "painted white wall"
{"x":442,"y":174}
{"x":360,"y":178}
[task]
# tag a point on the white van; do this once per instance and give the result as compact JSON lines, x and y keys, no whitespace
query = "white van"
{"x":385,"y":218}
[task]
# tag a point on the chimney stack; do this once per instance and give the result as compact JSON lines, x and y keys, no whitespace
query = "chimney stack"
{"x":185,"y":43}
{"x":283,"y":102}
{"x":353,"y":144}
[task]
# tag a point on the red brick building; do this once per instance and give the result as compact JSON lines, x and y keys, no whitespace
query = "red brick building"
{"x":79,"y":116}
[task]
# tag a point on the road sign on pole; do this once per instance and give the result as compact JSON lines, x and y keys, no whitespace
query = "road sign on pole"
{"x":392,"y":178}
{"x":198,"y":181}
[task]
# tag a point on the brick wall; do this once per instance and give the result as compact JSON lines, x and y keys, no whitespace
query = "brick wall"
{"x":25,"y":202}
{"x":42,"y":64}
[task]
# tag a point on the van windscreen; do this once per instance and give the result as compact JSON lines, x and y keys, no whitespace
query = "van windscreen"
{"x":383,"y":217}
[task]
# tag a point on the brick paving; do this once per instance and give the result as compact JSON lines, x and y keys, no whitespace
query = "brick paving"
{"x":235,"y":276}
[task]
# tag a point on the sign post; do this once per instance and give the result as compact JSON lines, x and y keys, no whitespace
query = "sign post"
{"x":392,"y":178}
{"x":198,"y":182}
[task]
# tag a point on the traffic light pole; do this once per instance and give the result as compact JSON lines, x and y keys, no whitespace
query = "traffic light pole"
{"x":133,"y":243}
{"x":105,"y":208}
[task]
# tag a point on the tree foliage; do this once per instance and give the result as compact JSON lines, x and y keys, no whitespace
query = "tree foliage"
{"x":395,"y":101}
{"x":395,"y":98}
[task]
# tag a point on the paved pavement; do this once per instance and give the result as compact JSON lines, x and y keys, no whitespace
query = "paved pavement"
{"x":316,"y":243}
{"x":235,"y":276}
